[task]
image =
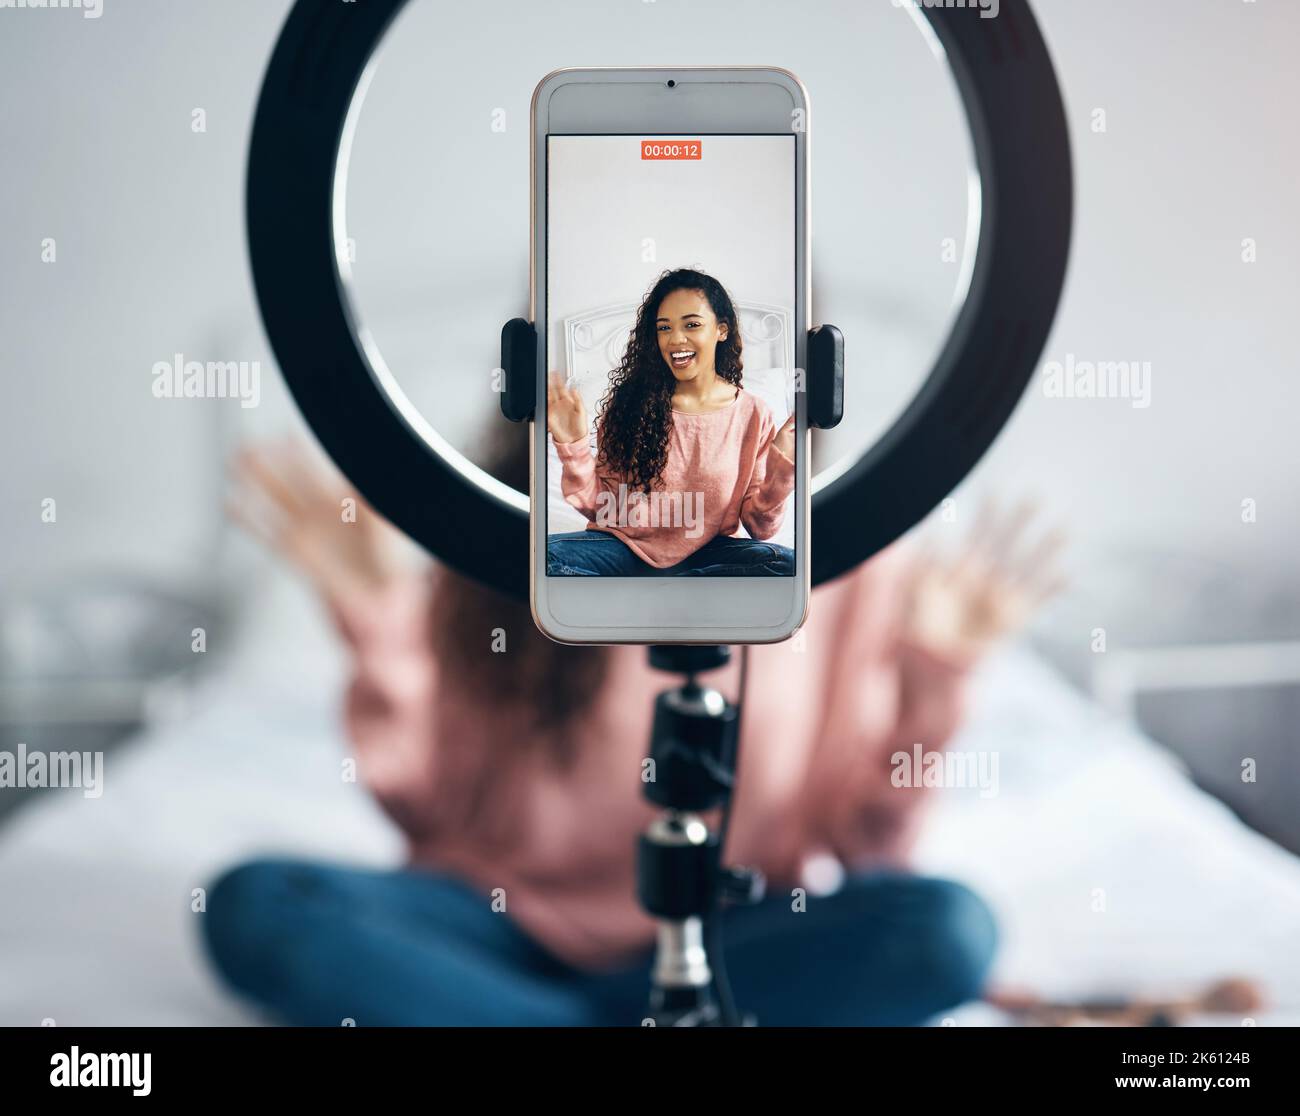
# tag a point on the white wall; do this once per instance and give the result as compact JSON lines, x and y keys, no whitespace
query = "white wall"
{"x":730,"y":214}
{"x":1199,"y":153}
{"x":147,"y":217}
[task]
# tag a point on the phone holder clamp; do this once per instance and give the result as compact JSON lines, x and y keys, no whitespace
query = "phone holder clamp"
{"x":823,"y":380}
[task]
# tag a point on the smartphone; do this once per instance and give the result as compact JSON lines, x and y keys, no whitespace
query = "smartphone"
{"x":669,"y":286}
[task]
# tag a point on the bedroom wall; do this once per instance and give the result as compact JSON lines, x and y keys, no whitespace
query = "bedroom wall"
{"x":731,"y":214}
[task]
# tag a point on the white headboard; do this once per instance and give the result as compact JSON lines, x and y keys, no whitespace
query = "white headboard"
{"x":594,"y":341}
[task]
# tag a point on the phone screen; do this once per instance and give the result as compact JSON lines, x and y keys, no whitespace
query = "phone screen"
{"x":670,"y":340}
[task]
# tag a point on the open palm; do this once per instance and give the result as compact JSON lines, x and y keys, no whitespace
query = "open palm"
{"x":961,"y":603}
{"x":783,"y":441}
{"x":566,"y":415}
{"x":308,"y":515}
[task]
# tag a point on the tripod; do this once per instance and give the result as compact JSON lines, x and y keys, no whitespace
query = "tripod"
{"x":680,"y":878}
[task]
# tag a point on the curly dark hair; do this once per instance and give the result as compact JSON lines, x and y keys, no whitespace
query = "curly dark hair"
{"x":635,"y":414}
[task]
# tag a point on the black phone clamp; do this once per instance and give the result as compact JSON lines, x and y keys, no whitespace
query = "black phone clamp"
{"x":823,"y":379}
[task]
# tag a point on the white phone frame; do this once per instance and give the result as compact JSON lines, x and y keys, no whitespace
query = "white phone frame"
{"x":732,"y":100}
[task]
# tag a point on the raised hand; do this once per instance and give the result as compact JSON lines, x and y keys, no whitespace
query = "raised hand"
{"x":783,"y":441}
{"x":960,"y":604}
{"x":566,"y":416}
{"x":311,"y":518}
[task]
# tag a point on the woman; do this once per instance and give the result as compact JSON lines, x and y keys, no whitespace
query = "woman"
{"x":686,"y":456}
{"x":515,"y":773}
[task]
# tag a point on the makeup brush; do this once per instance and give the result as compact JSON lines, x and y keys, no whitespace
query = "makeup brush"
{"x":1230,"y":996}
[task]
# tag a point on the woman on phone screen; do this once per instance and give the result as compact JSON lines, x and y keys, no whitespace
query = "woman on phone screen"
{"x":685,"y":456}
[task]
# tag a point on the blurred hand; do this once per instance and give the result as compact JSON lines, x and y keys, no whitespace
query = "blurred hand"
{"x":311,"y":518}
{"x":566,"y":417}
{"x":784,"y":439}
{"x":961,"y":604}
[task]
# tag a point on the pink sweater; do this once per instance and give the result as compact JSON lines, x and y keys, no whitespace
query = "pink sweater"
{"x":478,"y":797}
{"x":721,"y":472}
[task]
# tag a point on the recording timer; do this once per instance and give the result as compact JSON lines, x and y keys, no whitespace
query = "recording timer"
{"x":671,"y":149}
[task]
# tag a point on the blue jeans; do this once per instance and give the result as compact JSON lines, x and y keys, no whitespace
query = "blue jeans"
{"x":316,"y":943}
{"x":600,"y":554}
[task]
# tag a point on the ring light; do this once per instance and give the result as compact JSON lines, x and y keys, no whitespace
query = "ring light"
{"x":1021,"y":147}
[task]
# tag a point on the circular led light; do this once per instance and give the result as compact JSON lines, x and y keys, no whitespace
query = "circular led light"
{"x":1023,"y":192}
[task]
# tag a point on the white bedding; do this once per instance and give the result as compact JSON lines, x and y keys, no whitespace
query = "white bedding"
{"x":96,"y":927}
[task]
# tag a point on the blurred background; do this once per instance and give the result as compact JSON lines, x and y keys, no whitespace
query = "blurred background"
{"x":135,"y":620}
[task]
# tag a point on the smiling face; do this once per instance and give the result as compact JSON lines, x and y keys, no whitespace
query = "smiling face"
{"x":689,"y":333}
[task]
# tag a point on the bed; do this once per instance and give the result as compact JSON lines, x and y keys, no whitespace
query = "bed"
{"x":96,"y":927}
